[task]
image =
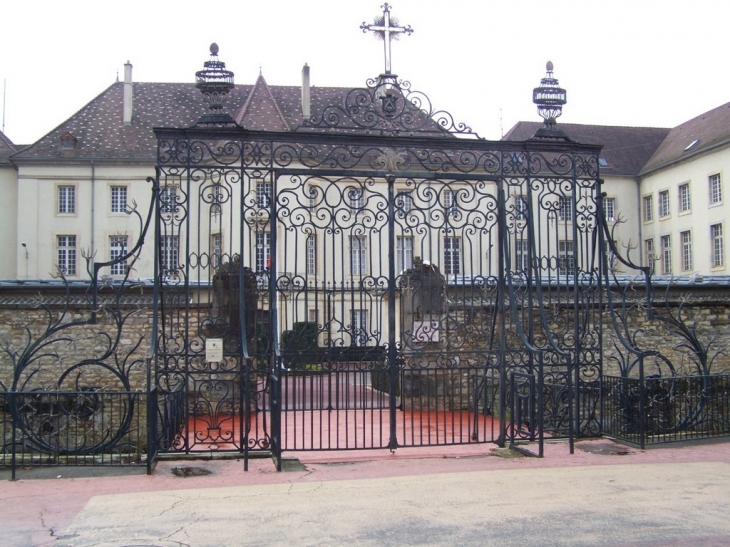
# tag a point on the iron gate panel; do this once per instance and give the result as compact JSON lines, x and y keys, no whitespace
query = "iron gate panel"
{"x":374,"y":287}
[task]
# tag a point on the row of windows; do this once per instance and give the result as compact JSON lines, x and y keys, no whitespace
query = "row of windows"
{"x":564,"y":208}
{"x":664,"y":257}
{"x":684,"y":199}
{"x":67,"y":199}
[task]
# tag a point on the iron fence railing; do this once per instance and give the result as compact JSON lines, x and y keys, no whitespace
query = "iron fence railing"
{"x":667,"y":409}
{"x":73,"y":428}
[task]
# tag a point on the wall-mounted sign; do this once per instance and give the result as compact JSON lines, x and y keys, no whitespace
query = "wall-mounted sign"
{"x":214,"y":350}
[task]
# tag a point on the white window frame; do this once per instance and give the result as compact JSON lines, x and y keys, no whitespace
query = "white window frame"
{"x":521,"y":207}
{"x":565,"y":208}
{"x":718,"y":245}
{"x":66,"y":254}
{"x":403,"y":253}
{"x":216,"y":250}
{"x":648,"y":209}
{"x":169,"y":253}
{"x":664,"y":204}
{"x":311,"y":254}
{"x":358,"y":255}
{"x":566,"y":257}
{"x":685,"y":198}
{"x":686,"y":240}
{"x":168,"y":199}
{"x":263,"y":251}
{"x":451,"y":202}
{"x":715,"y":188}
{"x":609,"y":209}
{"x":118,"y":245}
{"x":356,"y":198}
{"x":359,"y":325}
{"x":404,"y":202}
{"x":650,"y":251}
{"x":452,"y":255}
{"x":118,"y":198}
{"x":522,"y":255}
{"x":264,"y":193}
{"x":66,"y":195}
{"x":666,"y":249}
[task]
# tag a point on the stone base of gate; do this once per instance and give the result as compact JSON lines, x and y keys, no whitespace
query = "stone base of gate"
{"x":430,"y":389}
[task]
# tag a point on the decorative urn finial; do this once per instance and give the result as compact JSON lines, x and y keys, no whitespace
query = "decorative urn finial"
{"x":549,"y":98}
{"x":215,"y":84}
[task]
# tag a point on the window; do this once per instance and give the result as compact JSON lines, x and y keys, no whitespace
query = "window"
{"x":359,"y":327}
{"x":664,"y":203}
{"x":358,"y":255}
{"x":263,"y":194}
{"x":666,"y":255}
{"x":718,"y":247}
{"x":119,"y":199}
{"x":451,"y":203}
{"x":404,"y":202}
{"x":650,"y":253}
{"x":566,"y":264}
{"x":521,"y":207}
{"x":216,"y":245}
{"x":67,"y":199}
{"x":311,"y":254}
{"x":565,"y":208}
{"x":66,"y":249}
{"x":609,"y":209}
{"x":117,"y":248}
{"x":648,"y":208}
{"x":715,"y":183}
{"x":404,"y":253}
{"x":684,"y":198}
{"x":312,"y":316}
{"x":452,"y":255}
{"x":263,"y":251}
{"x":168,"y":254}
{"x":686,"y":238}
{"x":168,"y":199}
{"x":312,"y":193}
{"x":521,"y":255}
{"x":356,"y":197}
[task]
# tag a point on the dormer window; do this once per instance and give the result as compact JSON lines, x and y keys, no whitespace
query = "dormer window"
{"x":68,"y":141}
{"x":691,"y":145}
{"x":602,"y":162}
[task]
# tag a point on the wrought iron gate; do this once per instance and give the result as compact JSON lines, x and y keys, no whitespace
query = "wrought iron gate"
{"x":373,"y":281}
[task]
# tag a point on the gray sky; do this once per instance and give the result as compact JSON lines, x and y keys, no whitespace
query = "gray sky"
{"x":640,"y":62}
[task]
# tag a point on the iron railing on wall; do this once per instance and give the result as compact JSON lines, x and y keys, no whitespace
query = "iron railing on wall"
{"x":73,"y":428}
{"x":666,"y":409}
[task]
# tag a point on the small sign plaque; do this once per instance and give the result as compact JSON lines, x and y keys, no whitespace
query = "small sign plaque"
{"x":214,"y":350}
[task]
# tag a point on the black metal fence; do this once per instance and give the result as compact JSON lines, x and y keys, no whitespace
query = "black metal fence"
{"x":664,"y":410}
{"x":73,"y":428}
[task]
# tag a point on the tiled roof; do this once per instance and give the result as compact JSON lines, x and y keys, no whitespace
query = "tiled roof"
{"x":625,"y":149}
{"x":7,"y":148}
{"x":709,"y":130}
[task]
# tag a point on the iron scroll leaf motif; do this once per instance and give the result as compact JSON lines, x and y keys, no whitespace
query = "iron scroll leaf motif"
{"x":387,"y":106}
{"x":74,"y":373}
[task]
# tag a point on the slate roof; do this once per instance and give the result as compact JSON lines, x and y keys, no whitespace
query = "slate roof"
{"x":711,"y":129}
{"x":7,"y":148}
{"x":101,"y":134}
{"x":625,"y":149}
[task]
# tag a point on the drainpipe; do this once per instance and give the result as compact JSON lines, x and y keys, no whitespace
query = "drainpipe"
{"x":93,"y":200}
{"x":641,"y":223}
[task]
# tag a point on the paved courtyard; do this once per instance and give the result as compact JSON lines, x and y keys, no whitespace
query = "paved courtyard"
{"x":604,"y":494}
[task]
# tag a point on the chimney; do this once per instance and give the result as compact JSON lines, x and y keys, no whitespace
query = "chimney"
{"x":305,"y":91}
{"x":127,"y":93}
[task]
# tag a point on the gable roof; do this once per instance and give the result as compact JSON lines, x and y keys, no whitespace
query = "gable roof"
{"x":710,"y":129}
{"x":7,"y":149}
{"x":625,"y":149}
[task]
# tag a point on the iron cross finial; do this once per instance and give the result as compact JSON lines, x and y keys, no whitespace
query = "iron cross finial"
{"x":387,"y":29}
